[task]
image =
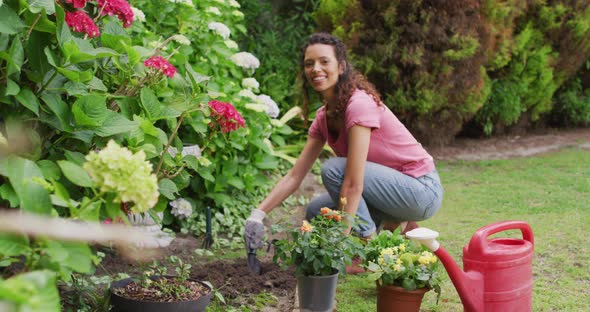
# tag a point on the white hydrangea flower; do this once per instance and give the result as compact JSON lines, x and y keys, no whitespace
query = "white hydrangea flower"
{"x":234,"y":3}
{"x":181,"y":39}
{"x":181,"y":208}
{"x":237,"y":13}
{"x":220,"y":28}
{"x":247,"y":93}
{"x":272,"y":109}
{"x":231,"y":44}
{"x":213,"y":10}
{"x":138,"y":14}
{"x":117,"y":170}
{"x":194,"y":150}
{"x":250,"y":83}
{"x":245,"y":60}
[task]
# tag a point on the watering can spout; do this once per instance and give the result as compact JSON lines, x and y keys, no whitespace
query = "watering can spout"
{"x":469,"y":285}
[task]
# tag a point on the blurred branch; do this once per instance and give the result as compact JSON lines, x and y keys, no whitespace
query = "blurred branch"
{"x":124,"y":237}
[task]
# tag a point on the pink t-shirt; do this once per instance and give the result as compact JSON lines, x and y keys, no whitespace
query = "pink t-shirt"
{"x":391,"y":145}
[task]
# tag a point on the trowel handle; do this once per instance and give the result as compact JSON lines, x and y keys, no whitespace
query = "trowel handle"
{"x":479,"y":240}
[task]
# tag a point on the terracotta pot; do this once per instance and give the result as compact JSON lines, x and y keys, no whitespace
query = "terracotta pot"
{"x":396,"y":298}
{"x":123,"y":304}
{"x":317,"y":293}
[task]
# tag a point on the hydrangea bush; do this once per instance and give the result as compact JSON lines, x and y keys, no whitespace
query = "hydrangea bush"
{"x":94,"y":91}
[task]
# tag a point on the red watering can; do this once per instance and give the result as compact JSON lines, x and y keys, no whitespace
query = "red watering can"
{"x":498,"y":274}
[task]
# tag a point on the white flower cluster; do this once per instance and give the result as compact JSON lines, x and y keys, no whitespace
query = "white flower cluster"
{"x":116,"y":169}
{"x":220,"y":28}
{"x":272,"y":109}
{"x":194,"y":150}
{"x":250,"y":83}
{"x":245,"y":60}
{"x":181,"y":208}
{"x":138,"y":14}
{"x":182,"y":39}
{"x":213,"y":10}
{"x":234,"y":3}
{"x":186,"y":2}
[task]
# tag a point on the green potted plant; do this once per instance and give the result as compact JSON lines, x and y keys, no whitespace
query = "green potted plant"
{"x":155,"y":290}
{"x":319,"y":250}
{"x":403,"y":270}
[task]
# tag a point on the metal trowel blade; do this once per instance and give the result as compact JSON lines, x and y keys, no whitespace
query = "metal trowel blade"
{"x":254,"y":264}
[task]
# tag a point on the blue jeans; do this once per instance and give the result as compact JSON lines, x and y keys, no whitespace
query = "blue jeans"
{"x":388,"y":195}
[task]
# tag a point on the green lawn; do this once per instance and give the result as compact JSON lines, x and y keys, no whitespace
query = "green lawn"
{"x":550,"y":192}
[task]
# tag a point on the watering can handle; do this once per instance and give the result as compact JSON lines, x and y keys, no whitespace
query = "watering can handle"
{"x":479,"y":240}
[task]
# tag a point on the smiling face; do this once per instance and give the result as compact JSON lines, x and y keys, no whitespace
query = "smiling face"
{"x":322,"y":69}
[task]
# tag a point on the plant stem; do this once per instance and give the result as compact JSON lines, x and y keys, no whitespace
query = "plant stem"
{"x":172,"y":136}
{"x":48,"y":82}
{"x":33,"y":26}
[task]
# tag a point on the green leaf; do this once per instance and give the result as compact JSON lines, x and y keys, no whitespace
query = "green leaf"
{"x":28,"y":99}
{"x":206,"y":175}
{"x":114,"y":36}
{"x":167,"y":188}
{"x":76,"y":174}
{"x":90,"y":110}
{"x":37,"y":6}
{"x":97,"y":84}
{"x":32,"y":196}
{"x":14,"y":245}
{"x":116,"y":124}
{"x":77,"y":50}
{"x":7,"y":193}
{"x":149,"y":103}
{"x":49,"y":168}
{"x":12,"y":87}
{"x":33,"y":291}
{"x":60,"y":109}
{"x":17,"y":57}
{"x":76,"y":256}
{"x":10,"y":23}
{"x":90,"y":212}
{"x":75,"y":75}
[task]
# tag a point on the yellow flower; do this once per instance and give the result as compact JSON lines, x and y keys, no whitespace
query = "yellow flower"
{"x":387,"y":251}
{"x":306,"y":227}
{"x":402,"y":247}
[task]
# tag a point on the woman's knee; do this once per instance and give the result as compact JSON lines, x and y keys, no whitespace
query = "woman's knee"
{"x":333,"y":169}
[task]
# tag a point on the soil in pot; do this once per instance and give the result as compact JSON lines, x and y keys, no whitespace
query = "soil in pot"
{"x":162,"y":294}
{"x":164,"y":289}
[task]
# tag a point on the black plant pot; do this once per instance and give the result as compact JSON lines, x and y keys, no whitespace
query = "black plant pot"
{"x":122,"y":304}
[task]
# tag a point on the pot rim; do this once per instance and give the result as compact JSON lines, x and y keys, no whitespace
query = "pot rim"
{"x":128,"y":280}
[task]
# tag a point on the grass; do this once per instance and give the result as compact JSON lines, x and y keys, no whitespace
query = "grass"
{"x":550,"y":192}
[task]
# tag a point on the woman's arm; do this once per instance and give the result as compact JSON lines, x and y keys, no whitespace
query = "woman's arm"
{"x":352,"y":187}
{"x":290,"y":182}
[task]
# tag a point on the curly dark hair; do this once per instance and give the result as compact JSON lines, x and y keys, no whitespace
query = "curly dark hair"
{"x":348,"y":81}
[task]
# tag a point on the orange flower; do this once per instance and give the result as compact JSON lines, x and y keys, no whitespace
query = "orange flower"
{"x":337,"y":217}
{"x":325,"y":210}
{"x":306,"y":227}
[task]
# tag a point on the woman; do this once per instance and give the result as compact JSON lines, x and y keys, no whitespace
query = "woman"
{"x":382,"y":171}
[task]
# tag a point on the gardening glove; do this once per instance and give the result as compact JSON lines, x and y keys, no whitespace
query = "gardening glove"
{"x":253,"y":237}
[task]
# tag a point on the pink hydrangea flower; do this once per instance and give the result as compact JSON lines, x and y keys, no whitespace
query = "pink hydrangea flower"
{"x":78,"y":4}
{"x":82,"y":23}
{"x":228,"y":118}
{"x":121,"y":8}
{"x":161,"y":64}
